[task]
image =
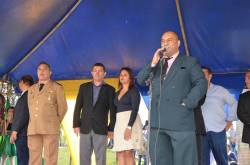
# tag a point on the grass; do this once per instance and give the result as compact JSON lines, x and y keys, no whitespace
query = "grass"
{"x":63,"y":156}
{"x":111,"y":158}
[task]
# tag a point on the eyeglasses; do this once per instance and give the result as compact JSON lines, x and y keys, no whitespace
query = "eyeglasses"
{"x":167,"y":41}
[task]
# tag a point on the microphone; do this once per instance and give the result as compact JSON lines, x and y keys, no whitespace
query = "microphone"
{"x":163,"y":51}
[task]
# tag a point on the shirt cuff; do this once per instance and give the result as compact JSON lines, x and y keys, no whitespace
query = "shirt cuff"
{"x":153,"y":65}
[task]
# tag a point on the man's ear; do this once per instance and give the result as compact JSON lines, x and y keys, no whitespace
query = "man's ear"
{"x":210,"y":77}
{"x":179,"y":43}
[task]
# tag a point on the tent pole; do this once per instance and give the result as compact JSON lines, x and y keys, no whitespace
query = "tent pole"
{"x":183,"y":33}
{"x":44,"y":39}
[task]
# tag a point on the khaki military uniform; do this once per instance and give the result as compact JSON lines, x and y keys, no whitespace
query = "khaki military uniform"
{"x":46,"y":109}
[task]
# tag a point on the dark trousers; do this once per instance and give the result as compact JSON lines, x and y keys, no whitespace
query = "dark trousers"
{"x":215,"y":142}
{"x":199,"y":140}
{"x":22,"y":150}
{"x":172,"y":147}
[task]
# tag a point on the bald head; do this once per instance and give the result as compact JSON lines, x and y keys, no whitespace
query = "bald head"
{"x":173,"y":34}
{"x":170,"y":41}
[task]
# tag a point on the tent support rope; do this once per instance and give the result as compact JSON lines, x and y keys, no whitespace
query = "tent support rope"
{"x":183,"y":33}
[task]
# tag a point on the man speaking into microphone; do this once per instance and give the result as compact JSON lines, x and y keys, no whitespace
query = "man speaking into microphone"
{"x":178,"y":84}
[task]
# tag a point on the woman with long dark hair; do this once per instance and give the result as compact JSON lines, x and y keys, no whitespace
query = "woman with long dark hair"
{"x":128,"y":131}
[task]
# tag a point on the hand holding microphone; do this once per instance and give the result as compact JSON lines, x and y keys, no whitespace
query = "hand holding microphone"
{"x":159,"y":53}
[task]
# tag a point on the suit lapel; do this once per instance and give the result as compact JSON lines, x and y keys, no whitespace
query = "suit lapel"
{"x":23,"y":95}
{"x":91,"y":94}
{"x":174,"y":69}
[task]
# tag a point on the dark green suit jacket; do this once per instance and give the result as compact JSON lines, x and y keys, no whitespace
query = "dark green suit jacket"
{"x":185,"y":82}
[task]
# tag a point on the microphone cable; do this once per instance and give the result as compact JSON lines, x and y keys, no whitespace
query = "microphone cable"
{"x":158,"y":109}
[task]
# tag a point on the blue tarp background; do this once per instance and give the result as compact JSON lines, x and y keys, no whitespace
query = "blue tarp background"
{"x":123,"y":33}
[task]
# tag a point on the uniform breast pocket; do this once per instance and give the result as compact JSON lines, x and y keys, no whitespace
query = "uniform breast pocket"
{"x":51,"y":97}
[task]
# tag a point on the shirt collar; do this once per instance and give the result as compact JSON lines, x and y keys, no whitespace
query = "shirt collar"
{"x":211,"y":85}
{"x":245,"y":90}
{"x":98,"y":85}
{"x":23,"y":92}
{"x":173,"y":57}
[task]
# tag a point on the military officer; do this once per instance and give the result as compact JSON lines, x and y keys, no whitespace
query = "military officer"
{"x":47,"y":107}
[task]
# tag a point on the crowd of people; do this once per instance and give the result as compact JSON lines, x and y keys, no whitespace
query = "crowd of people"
{"x":187,"y":121}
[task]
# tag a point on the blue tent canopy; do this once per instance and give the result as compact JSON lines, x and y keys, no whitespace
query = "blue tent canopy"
{"x":24,"y":23}
{"x":121,"y":33}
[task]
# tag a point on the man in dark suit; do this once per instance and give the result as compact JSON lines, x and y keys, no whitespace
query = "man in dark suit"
{"x":178,"y":84}
{"x":243,"y":110}
{"x":94,"y":103}
{"x":20,"y":122}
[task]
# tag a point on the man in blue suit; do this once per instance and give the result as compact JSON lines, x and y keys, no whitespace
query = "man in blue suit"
{"x":178,"y":84}
{"x":21,"y":121}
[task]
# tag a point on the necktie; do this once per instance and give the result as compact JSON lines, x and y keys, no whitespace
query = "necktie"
{"x":41,"y":87}
{"x":165,"y":67}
